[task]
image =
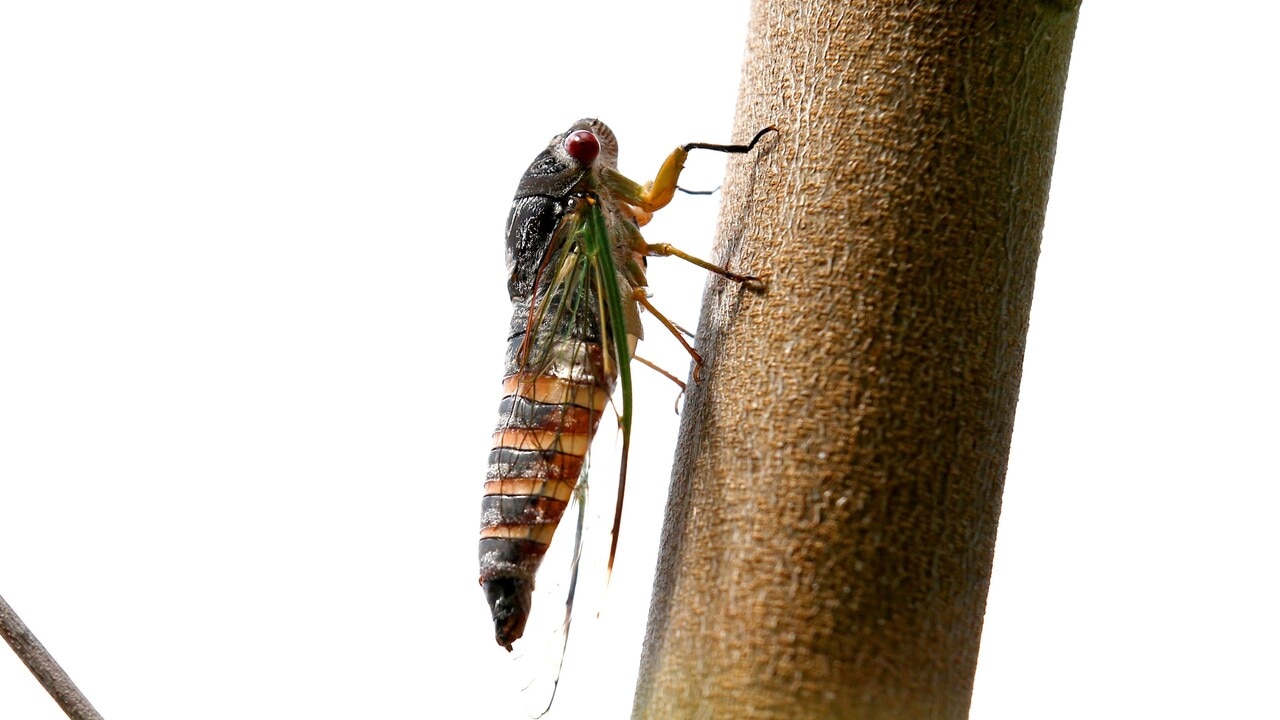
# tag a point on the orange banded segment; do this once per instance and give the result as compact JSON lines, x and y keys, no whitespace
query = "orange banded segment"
{"x":558,"y":489}
{"x":536,"y":533}
{"x":555,"y":391}
{"x":534,"y":439}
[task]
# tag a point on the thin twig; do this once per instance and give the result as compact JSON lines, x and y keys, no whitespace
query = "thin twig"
{"x":41,"y":664}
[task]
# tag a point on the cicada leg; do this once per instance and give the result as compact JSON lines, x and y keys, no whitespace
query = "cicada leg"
{"x":641,"y":298}
{"x":656,"y":194}
{"x":654,"y":367}
{"x":668,"y":250}
{"x":647,"y":199}
{"x":663,"y":187}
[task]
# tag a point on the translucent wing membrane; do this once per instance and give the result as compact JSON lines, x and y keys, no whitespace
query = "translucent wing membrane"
{"x":536,"y":665}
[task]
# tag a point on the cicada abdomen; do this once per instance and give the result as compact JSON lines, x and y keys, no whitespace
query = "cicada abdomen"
{"x":577,"y":277}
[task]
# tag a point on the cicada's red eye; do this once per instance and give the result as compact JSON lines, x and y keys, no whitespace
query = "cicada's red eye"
{"x":583,"y":146}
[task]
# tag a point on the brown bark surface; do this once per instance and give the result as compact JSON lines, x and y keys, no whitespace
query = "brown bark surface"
{"x":837,"y":487}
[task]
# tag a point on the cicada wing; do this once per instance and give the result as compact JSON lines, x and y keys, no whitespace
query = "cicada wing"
{"x":586,"y":270}
{"x":538,"y":662}
{"x":613,"y":308}
{"x":570,"y":593}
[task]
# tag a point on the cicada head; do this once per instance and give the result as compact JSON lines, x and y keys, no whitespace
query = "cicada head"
{"x":569,"y":157}
{"x":604,"y":140}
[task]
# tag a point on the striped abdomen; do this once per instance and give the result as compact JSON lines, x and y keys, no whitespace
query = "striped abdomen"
{"x":545,"y":424}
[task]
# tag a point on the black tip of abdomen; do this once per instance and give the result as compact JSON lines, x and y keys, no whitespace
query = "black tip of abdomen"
{"x":509,"y":600}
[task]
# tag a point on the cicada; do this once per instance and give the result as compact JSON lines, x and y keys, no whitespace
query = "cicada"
{"x":577,"y":282}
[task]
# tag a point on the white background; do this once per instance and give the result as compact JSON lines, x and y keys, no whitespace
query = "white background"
{"x":252,"y":314}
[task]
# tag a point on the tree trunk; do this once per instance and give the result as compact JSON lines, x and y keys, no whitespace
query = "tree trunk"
{"x":837,"y":487}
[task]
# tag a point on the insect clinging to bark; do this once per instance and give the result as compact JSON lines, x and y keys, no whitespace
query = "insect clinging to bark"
{"x":577,"y":282}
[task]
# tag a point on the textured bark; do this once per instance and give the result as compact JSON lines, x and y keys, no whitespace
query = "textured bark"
{"x":46,"y":670}
{"x":834,"y":505}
